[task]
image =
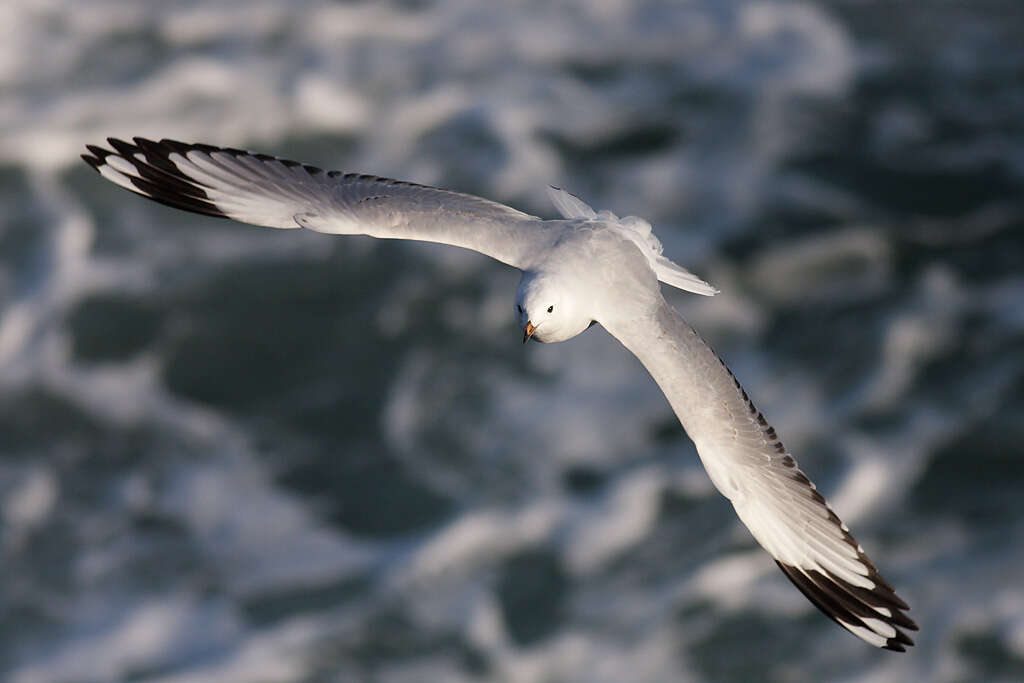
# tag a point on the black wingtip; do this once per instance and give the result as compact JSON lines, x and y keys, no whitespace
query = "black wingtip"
{"x":836,"y":599}
{"x":114,"y":142}
{"x":99,"y":152}
{"x":902,"y":639}
{"x":92,"y":161}
{"x":170,"y":145}
{"x":125,"y":149}
{"x":155,"y":177}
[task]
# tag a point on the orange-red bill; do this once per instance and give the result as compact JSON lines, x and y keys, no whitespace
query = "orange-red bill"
{"x":528,"y":332}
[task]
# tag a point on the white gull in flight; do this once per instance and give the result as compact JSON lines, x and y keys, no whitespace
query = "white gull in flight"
{"x":589,"y":267}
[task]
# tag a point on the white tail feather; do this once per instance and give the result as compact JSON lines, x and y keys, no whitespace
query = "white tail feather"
{"x":677,"y":276}
{"x":638,"y":230}
{"x":569,"y":205}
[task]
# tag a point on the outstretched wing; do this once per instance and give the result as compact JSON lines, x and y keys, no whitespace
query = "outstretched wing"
{"x":774,"y":499}
{"x":264,"y":190}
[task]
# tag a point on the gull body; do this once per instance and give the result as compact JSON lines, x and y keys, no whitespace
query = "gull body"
{"x":587,"y":267}
{"x":591,"y":273}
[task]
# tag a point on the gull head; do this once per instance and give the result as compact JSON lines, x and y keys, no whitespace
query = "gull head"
{"x":548,"y":311}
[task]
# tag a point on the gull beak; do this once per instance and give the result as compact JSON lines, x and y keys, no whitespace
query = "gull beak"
{"x":528,"y":332}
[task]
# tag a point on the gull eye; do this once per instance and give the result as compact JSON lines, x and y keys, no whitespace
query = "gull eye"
{"x":519,"y":308}
{"x":550,"y":308}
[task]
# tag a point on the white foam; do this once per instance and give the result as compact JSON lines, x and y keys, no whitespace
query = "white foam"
{"x":622,"y":519}
{"x":851,"y":263}
{"x":729,"y":580}
{"x":151,"y":632}
{"x":30,"y":501}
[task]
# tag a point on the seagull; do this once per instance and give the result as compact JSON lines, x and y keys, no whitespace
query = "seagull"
{"x":589,"y":267}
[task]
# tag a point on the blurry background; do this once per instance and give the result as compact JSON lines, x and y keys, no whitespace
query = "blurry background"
{"x":236,"y":454}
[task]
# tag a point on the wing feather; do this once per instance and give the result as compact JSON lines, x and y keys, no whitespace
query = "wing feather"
{"x":269,"y":191}
{"x":749,"y":465}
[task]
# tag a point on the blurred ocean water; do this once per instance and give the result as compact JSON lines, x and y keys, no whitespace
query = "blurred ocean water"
{"x":238,"y":454}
